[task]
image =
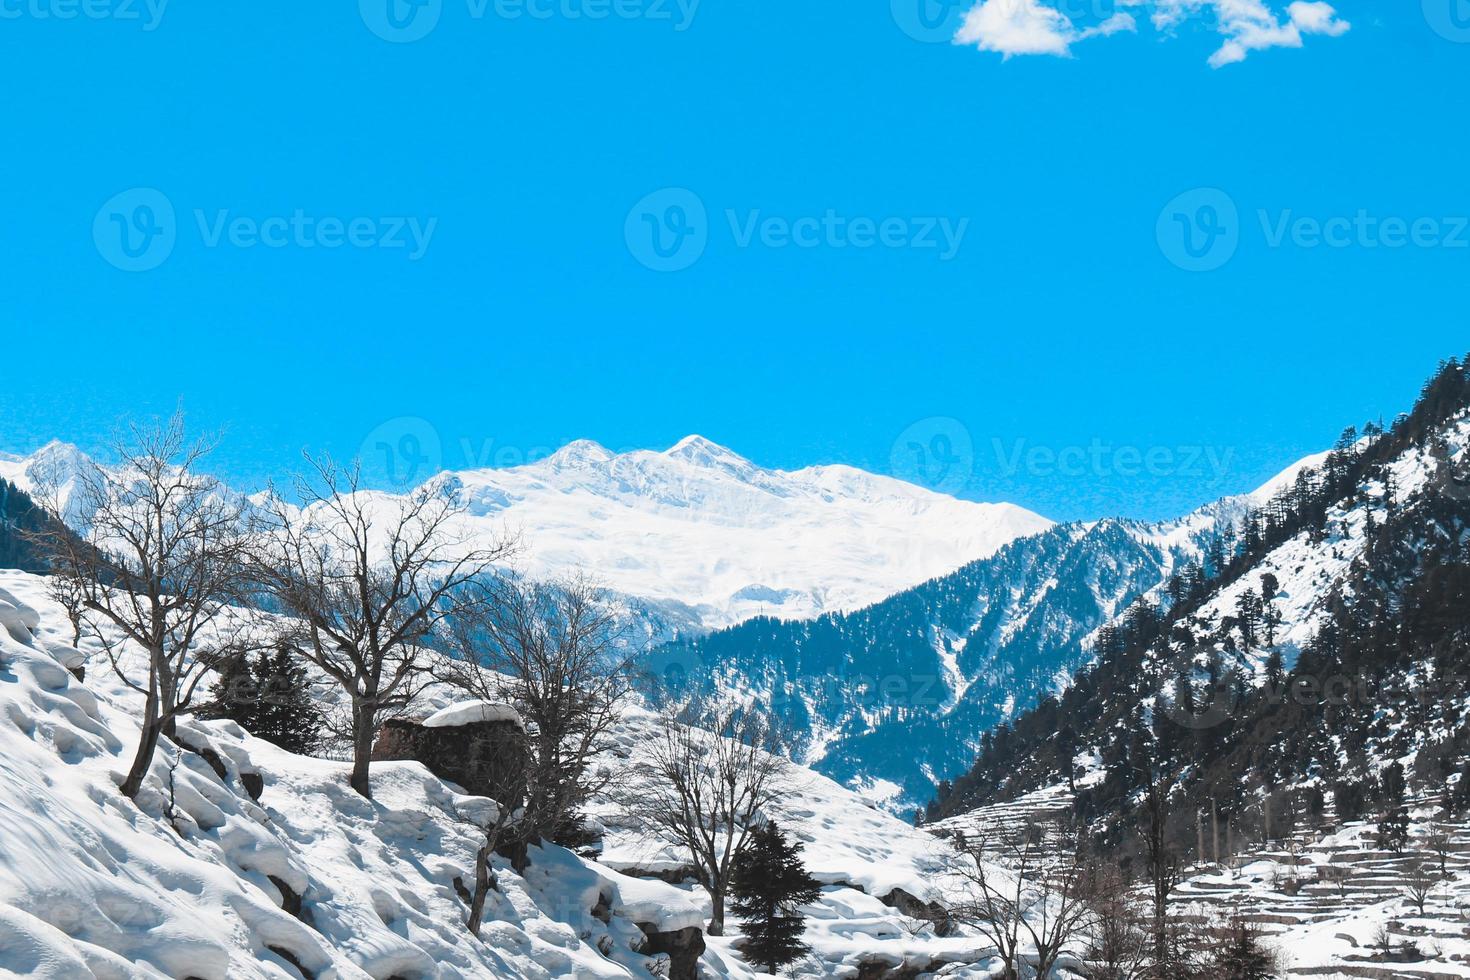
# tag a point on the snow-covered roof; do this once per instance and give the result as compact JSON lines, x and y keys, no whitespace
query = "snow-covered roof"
{"x":472,"y":713}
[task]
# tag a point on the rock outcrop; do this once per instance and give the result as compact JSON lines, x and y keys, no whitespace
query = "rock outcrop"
{"x":682,"y":946}
{"x":479,"y":745}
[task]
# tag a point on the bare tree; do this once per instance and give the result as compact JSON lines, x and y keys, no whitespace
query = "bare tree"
{"x":1162,"y":858}
{"x":364,"y":582}
{"x":1420,"y":883}
{"x":67,"y":591}
{"x":1020,"y":897}
{"x":1336,"y":875}
{"x":156,"y":557}
{"x":1438,"y":844}
{"x":704,"y":787}
{"x":549,"y":649}
{"x":1118,"y":942}
{"x":495,"y":831}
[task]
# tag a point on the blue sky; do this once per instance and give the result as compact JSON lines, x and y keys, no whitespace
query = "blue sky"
{"x":871,"y":239}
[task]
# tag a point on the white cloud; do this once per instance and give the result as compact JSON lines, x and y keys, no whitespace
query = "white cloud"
{"x":1317,"y":18}
{"x":1013,"y":27}
{"x":1017,"y":27}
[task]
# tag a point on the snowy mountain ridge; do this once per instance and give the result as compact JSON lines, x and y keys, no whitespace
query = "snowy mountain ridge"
{"x":696,"y":536}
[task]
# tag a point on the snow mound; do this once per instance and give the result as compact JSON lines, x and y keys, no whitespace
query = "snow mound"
{"x":473,"y":713}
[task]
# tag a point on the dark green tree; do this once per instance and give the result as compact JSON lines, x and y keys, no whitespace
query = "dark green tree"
{"x":768,"y":883}
{"x":1393,"y":829}
{"x":1241,"y":956}
{"x":271,"y":698}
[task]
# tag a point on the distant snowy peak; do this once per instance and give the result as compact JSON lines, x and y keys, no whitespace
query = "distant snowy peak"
{"x":51,"y":471}
{"x":713,"y":538}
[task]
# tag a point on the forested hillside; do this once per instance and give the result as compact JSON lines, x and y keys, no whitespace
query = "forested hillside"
{"x":19,"y":514}
{"x":1323,"y":660}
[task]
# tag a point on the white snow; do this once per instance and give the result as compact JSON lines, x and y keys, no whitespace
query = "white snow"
{"x":473,"y":712}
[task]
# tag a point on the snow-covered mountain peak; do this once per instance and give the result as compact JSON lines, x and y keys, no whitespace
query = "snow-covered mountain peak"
{"x":579,"y":454}
{"x":708,"y":538}
{"x":699,"y":451}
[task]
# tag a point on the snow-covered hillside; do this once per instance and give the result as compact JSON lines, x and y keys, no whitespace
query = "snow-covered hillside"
{"x":700,"y":537}
{"x":202,"y":880}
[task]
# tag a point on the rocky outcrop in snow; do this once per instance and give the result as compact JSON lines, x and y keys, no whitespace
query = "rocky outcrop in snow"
{"x":476,"y":746}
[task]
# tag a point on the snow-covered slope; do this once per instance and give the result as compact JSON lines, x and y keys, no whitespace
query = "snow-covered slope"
{"x":699,"y":537}
{"x":202,"y":880}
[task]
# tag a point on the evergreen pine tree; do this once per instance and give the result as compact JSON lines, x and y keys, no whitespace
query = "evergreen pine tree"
{"x":1241,"y":956}
{"x":1393,"y":830}
{"x":270,"y":697}
{"x":768,"y":882}
{"x":289,"y":715}
{"x":236,"y":693}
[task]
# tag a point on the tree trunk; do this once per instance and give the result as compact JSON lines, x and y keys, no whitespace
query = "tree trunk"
{"x":363,"y":716}
{"x":717,"y":916}
{"x":143,"y":760}
{"x":1215,"y":830}
{"x":482,"y":886}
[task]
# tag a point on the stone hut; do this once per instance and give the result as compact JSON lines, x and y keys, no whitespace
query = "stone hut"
{"x":479,"y":745}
